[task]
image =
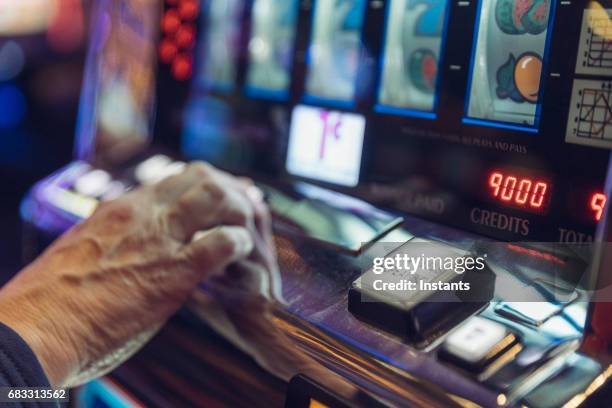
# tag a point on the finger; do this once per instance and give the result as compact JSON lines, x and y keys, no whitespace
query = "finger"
{"x":256,"y":197}
{"x":207,"y":205}
{"x":173,"y":187}
{"x":265,"y":250}
{"x":263,"y":222}
{"x":213,"y":250}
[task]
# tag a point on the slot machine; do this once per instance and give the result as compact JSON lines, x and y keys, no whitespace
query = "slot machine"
{"x":475,"y":131}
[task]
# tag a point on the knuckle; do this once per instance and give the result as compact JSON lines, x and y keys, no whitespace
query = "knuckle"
{"x":183,"y":204}
{"x":203,"y":256}
{"x":200,"y":168}
{"x":174,"y":217}
{"x":119,"y":211}
{"x":240,"y":215}
{"x":162,"y":186}
{"x":215,"y":190}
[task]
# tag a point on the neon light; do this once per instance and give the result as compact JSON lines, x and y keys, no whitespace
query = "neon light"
{"x":522,"y":192}
{"x":598,"y":203}
{"x":536,"y":254}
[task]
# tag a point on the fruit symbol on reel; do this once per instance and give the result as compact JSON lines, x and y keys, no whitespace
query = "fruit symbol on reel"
{"x":522,"y":16}
{"x":519,"y":78}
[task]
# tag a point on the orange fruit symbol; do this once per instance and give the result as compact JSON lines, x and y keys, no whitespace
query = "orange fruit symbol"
{"x":527,"y":76}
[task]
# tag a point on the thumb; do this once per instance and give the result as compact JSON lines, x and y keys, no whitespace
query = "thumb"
{"x":211,"y":251}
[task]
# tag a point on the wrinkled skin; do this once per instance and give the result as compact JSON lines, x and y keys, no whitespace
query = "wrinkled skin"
{"x":97,"y":294}
{"x":104,"y":288}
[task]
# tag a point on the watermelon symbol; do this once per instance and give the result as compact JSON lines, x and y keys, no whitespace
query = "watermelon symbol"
{"x":423,"y":68}
{"x":522,"y":16}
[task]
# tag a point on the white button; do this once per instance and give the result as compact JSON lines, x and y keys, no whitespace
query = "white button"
{"x":152,"y":169}
{"x":93,"y":184}
{"x":172,"y":169}
{"x":115,"y":189}
{"x":472,"y":341}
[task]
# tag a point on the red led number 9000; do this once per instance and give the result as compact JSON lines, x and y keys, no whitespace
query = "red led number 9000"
{"x":518,"y":191}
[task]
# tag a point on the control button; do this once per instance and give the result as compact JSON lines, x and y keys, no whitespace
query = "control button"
{"x":422,"y":290}
{"x":529,"y":310}
{"x":477,"y":344}
{"x":329,"y":218}
{"x":531,"y":313}
{"x":150,"y":170}
{"x":93,"y":184}
{"x":115,"y":190}
{"x":172,"y":169}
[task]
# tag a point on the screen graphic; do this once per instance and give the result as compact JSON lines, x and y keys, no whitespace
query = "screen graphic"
{"x":590,"y":116}
{"x":595,"y":50}
{"x":325,"y":145}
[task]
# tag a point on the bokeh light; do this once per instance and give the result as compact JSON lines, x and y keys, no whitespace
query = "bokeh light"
{"x":12,"y":60}
{"x":12,"y":106}
{"x":19,"y":17}
{"x":66,"y":28}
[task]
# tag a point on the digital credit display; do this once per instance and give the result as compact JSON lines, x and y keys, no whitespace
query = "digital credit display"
{"x":523,"y":192}
{"x":597,"y":205}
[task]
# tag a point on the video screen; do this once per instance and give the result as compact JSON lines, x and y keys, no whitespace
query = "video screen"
{"x":221,"y":43}
{"x":334,"y":50}
{"x":411,"y":56}
{"x":271,"y":48}
{"x":325,"y":145}
{"x":507,"y":62}
{"x":116,"y":110}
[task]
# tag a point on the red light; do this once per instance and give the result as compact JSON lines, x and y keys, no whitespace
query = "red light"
{"x":519,"y":191}
{"x":495,"y":181}
{"x":185,"y":36}
{"x":536,"y":254}
{"x":539,"y":192}
{"x":189,"y":9}
{"x":167,"y":51}
{"x":598,"y":203}
{"x":171,"y":22}
{"x":523,"y":191}
{"x":182,"y":67}
{"x":509,"y":188}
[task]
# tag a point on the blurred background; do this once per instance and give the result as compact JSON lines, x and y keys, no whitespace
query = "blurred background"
{"x":42,"y":50}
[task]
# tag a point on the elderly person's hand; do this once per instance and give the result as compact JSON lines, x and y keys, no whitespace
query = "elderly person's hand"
{"x":106,"y":286}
